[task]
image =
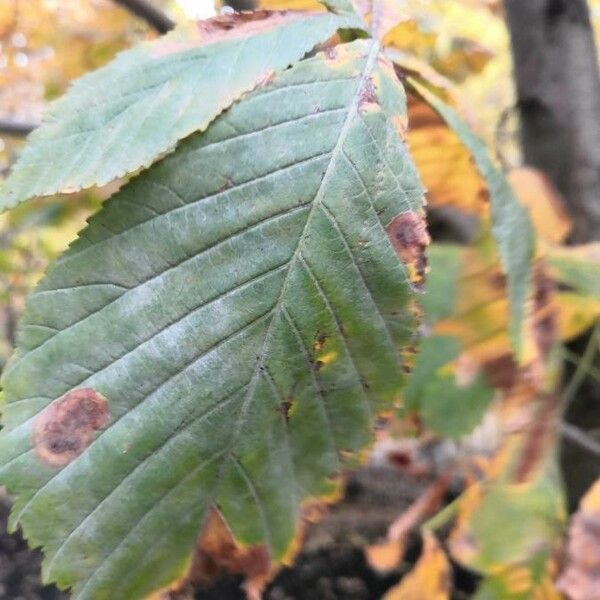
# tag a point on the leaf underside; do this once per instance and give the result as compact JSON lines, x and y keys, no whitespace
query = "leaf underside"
{"x":242,"y":309}
{"x":120,"y":118}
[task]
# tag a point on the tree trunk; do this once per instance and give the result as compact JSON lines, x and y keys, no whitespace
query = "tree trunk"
{"x":558,"y":87}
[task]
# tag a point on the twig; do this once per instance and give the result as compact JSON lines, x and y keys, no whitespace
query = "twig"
{"x":579,"y":437}
{"x":155,"y":17}
{"x":583,"y":367}
{"x":426,"y":504}
{"x":575,"y":359}
{"x":17,"y":128}
{"x":442,"y":517}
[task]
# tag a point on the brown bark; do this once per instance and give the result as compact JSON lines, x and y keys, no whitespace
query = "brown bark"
{"x":154,"y":16}
{"x":558,"y":87}
{"x":16,"y":128}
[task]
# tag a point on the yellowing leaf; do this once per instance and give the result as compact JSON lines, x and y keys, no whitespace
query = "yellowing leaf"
{"x":577,"y":267}
{"x":576,"y":314}
{"x":445,"y":165}
{"x":409,"y":35}
{"x":464,"y":58}
{"x":431,"y":577}
{"x":381,"y":15}
{"x":520,"y":491}
{"x":511,"y":227}
{"x":538,"y":194}
{"x":386,"y":556}
{"x":479,"y":317}
{"x":506,"y":528}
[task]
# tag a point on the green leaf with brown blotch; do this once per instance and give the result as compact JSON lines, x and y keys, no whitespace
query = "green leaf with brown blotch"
{"x":223,"y":332}
{"x":122,"y":117}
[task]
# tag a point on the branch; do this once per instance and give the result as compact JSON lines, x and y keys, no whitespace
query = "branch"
{"x":17,"y":128}
{"x":155,"y":17}
{"x":580,"y":438}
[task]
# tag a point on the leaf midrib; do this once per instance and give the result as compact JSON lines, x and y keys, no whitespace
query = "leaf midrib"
{"x":260,"y":363}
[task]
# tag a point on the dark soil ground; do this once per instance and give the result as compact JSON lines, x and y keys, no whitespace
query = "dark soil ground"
{"x":20,"y":567}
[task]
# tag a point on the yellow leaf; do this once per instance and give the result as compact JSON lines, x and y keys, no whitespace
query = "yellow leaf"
{"x":545,"y":204}
{"x":409,"y":35}
{"x":431,"y":577}
{"x":445,"y":165}
{"x":385,"y":557}
{"x":576,"y":314}
{"x":481,"y":312}
{"x":381,"y":15}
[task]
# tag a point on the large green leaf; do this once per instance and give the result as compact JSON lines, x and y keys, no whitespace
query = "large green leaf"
{"x":242,"y":310}
{"x":123,"y":116}
{"x":511,"y":225}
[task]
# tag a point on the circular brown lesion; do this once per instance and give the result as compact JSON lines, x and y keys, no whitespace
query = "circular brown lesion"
{"x":409,"y":237}
{"x":65,"y":428}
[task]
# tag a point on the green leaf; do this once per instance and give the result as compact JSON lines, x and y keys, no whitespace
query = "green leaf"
{"x":441,"y":289}
{"x":511,"y":225}
{"x":446,"y":407}
{"x":120,"y":118}
{"x":434,"y":353}
{"x":453,"y":410}
{"x":239,"y":311}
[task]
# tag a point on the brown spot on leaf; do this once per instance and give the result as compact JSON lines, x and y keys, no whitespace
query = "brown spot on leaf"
{"x":367,"y":95}
{"x":225,"y":186}
{"x":218,"y":553}
{"x":285,"y":407}
{"x":408,"y":234}
{"x":319,"y":343}
{"x":64,"y":429}
{"x":241,"y":24}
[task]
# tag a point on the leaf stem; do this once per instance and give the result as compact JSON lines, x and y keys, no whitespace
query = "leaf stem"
{"x":443,"y":516}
